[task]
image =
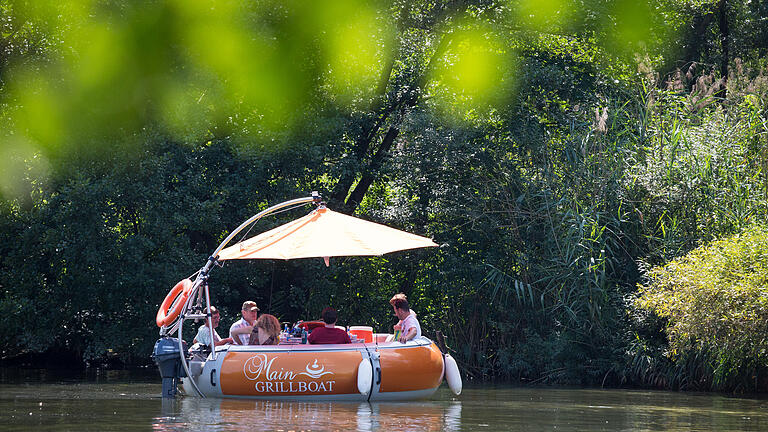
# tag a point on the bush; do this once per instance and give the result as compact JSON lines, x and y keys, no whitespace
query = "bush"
{"x":715,"y":301}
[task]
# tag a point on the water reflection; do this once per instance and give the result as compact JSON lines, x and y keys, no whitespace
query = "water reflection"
{"x":242,"y":415}
{"x":103,"y":400}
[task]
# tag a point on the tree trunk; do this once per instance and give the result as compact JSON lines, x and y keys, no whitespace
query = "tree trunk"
{"x":369,"y":176}
{"x":695,"y":45}
{"x":724,"y":37}
{"x":364,"y":144}
{"x":409,"y":100}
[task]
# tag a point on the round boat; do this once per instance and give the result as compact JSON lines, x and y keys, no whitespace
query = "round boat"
{"x":397,"y":371}
{"x":370,"y":369}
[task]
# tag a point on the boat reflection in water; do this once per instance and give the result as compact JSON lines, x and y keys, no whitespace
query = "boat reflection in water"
{"x":242,"y":414}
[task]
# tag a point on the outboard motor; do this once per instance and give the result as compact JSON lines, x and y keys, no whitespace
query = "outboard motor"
{"x":166,"y":356}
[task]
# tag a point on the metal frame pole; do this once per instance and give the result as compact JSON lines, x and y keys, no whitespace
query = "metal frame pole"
{"x":210,"y":321}
{"x":202,"y":278}
{"x":181,"y":347}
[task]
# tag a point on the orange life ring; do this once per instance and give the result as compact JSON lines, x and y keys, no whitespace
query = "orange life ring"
{"x":166,"y":316}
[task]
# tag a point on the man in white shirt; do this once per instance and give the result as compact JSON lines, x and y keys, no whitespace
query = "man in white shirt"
{"x":250,"y":313}
{"x":411,"y":326}
{"x":203,"y":336}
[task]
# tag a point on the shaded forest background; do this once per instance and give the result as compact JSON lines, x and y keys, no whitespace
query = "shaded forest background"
{"x":565,"y":155}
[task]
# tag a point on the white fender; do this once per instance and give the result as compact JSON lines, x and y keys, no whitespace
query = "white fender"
{"x":452,"y":374}
{"x":364,"y":376}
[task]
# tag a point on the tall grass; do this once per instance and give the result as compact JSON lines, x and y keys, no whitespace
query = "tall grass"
{"x":701,"y":177}
{"x":651,"y":177}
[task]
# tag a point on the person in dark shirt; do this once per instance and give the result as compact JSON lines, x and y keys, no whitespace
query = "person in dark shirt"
{"x":329,"y":334}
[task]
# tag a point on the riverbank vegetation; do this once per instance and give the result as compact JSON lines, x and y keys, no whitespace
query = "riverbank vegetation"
{"x":713,"y":303}
{"x":596,"y":176}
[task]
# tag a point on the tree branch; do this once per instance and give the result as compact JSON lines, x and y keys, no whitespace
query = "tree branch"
{"x":369,"y":175}
{"x":409,"y":99}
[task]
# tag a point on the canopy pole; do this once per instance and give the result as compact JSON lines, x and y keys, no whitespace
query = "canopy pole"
{"x":210,"y":320}
{"x":315,"y":198}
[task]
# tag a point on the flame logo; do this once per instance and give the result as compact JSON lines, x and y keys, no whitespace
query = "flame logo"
{"x":315,"y":371}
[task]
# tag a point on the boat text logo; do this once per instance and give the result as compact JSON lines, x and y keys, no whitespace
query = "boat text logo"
{"x":272,"y":378}
{"x":315,"y":371}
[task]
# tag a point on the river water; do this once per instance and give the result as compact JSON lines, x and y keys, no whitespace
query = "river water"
{"x":129,"y":400}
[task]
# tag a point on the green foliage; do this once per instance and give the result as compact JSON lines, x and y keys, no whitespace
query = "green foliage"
{"x":92,"y":260}
{"x":715,"y":300}
{"x":533,"y":141}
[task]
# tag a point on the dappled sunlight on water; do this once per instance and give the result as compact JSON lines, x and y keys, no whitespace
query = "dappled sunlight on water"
{"x":130,"y":401}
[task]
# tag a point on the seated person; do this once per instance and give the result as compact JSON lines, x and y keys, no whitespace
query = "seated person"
{"x":399,"y":325}
{"x":411,"y":326}
{"x":250,"y":312}
{"x":204,"y":333}
{"x":266,"y":331}
{"x":329,"y":334}
{"x":262,"y":329}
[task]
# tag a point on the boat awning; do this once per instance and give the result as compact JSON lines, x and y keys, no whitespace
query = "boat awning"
{"x":325,"y":233}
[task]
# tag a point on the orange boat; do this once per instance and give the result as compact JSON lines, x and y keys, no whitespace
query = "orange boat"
{"x":355,"y":372}
{"x":371,"y":369}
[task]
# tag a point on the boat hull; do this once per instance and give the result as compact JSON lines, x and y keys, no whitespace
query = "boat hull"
{"x":321,"y":372}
